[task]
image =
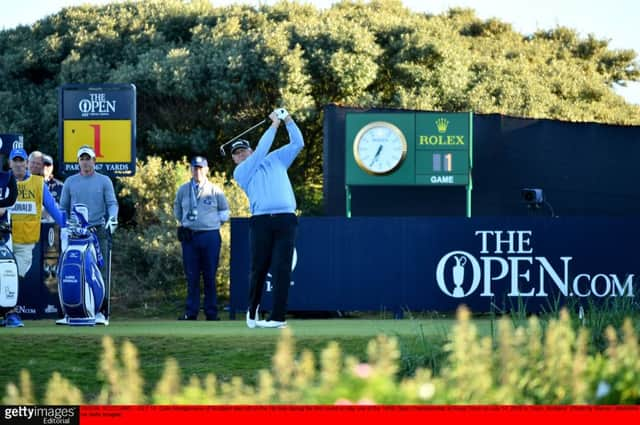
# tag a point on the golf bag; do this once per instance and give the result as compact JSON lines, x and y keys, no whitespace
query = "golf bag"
{"x":8,"y":269}
{"x":80,"y":284}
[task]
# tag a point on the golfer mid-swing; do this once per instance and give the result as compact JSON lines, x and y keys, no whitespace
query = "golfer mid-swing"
{"x":272,"y":227}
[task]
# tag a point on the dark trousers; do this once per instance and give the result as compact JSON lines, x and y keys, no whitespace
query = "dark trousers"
{"x":200,"y":257}
{"x":271,"y":240}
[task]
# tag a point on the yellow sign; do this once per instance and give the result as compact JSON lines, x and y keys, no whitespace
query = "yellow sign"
{"x":110,"y":139}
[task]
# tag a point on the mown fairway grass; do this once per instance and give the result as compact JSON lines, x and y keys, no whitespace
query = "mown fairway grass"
{"x":225,"y":348}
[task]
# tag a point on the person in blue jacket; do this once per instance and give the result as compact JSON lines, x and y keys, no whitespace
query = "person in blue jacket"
{"x":33,"y":198}
{"x":201,"y":208}
{"x":273,"y":223}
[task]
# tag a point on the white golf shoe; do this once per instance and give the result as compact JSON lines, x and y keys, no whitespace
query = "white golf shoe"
{"x":251,"y":323}
{"x":273,"y":324}
{"x":63,"y":321}
{"x":101,"y":320}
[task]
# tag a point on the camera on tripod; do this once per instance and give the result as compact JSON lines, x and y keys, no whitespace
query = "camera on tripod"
{"x":533,"y":197}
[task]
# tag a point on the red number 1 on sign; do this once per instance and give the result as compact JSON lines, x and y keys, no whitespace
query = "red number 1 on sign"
{"x":96,"y":139}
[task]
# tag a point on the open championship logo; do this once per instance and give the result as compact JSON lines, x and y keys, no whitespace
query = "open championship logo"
{"x":96,"y":105}
{"x":506,"y":262}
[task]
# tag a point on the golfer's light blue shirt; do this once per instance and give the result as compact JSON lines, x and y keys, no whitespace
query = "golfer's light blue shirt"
{"x":263,"y":175}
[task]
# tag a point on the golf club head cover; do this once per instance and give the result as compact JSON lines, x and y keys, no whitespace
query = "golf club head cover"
{"x":281,"y":113}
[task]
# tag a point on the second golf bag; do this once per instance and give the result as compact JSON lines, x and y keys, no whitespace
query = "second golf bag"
{"x":8,"y":269}
{"x":80,"y":284}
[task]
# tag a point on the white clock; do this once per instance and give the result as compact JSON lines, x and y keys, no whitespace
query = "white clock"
{"x":379,"y":148}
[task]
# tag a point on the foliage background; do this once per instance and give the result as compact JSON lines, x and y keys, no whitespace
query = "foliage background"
{"x":204,"y":73}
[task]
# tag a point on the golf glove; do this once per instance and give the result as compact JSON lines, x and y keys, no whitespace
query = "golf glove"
{"x":111,"y":225}
{"x":281,"y":113}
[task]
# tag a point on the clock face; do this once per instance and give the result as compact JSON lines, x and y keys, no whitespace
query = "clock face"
{"x":379,"y":148}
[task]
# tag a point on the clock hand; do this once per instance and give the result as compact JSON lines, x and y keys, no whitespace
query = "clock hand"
{"x":376,"y":155}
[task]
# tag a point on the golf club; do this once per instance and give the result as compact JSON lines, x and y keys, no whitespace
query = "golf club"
{"x":108,"y":270}
{"x":234,"y":138}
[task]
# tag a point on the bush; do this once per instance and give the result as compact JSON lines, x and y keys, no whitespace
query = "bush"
{"x":148,"y":276}
{"x":525,"y":366}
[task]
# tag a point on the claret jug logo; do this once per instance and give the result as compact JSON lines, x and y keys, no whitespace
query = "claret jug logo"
{"x":456,"y":274}
{"x":505,"y":264}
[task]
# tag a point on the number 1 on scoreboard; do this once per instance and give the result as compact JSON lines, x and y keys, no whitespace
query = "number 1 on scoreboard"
{"x":442,"y":162}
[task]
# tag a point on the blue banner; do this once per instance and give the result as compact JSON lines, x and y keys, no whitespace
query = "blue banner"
{"x":437,"y":264}
{"x":9,"y":141}
{"x":38,"y":293}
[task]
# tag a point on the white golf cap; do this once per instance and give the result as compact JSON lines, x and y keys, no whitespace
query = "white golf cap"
{"x":86,"y":150}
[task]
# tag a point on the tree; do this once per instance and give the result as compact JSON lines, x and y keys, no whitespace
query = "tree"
{"x":205,"y":73}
